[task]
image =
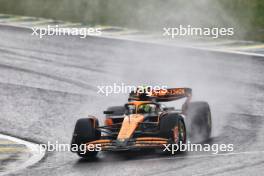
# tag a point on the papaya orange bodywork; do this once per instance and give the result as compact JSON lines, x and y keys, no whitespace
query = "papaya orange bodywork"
{"x":108,"y":121}
{"x":141,"y":142}
{"x":129,"y":125}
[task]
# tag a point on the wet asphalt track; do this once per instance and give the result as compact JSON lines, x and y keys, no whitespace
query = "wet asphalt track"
{"x":47,"y":84}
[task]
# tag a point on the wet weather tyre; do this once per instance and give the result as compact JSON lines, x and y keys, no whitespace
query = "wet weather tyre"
{"x":85,"y":131}
{"x":172,"y":127}
{"x":200,"y":121}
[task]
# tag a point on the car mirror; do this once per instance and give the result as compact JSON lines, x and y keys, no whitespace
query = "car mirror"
{"x":108,"y":112}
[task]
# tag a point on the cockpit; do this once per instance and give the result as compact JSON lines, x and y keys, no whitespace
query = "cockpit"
{"x":142,"y":108}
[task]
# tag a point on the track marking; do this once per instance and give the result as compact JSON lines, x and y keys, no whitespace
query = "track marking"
{"x":118,"y":36}
{"x":187,"y":47}
{"x":203,"y":156}
{"x":34,"y":149}
{"x":248,"y":47}
{"x":12,"y":150}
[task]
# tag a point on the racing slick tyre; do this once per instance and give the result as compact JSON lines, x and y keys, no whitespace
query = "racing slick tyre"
{"x":85,"y":131}
{"x":200,"y":122}
{"x":172,"y":127}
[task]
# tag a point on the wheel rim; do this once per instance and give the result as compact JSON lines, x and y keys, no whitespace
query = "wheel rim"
{"x":209,"y":120}
{"x":179,"y":133}
{"x":209,"y":124}
{"x":176,"y":134}
{"x":182,"y":134}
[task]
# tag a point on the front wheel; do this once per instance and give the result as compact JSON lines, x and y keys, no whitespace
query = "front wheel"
{"x":173,"y":128}
{"x":85,"y":131}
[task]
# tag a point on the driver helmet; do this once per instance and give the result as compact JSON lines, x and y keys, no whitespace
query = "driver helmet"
{"x":145,"y":108}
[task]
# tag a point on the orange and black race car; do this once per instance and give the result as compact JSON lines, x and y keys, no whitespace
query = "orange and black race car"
{"x":144,"y":122}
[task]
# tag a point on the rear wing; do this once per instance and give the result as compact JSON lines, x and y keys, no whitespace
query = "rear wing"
{"x":160,"y":95}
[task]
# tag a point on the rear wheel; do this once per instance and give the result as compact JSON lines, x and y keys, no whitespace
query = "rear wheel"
{"x":85,"y":131}
{"x":200,"y":122}
{"x":173,"y":128}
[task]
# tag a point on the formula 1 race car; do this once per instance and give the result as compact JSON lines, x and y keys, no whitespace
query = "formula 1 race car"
{"x":144,"y":122}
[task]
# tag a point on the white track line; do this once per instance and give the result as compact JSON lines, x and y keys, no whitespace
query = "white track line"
{"x":160,"y":43}
{"x":185,"y":46}
{"x":34,"y":149}
{"x":206,"y":155}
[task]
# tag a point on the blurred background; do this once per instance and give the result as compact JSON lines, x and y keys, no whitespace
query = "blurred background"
{"x":247,"y":17}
